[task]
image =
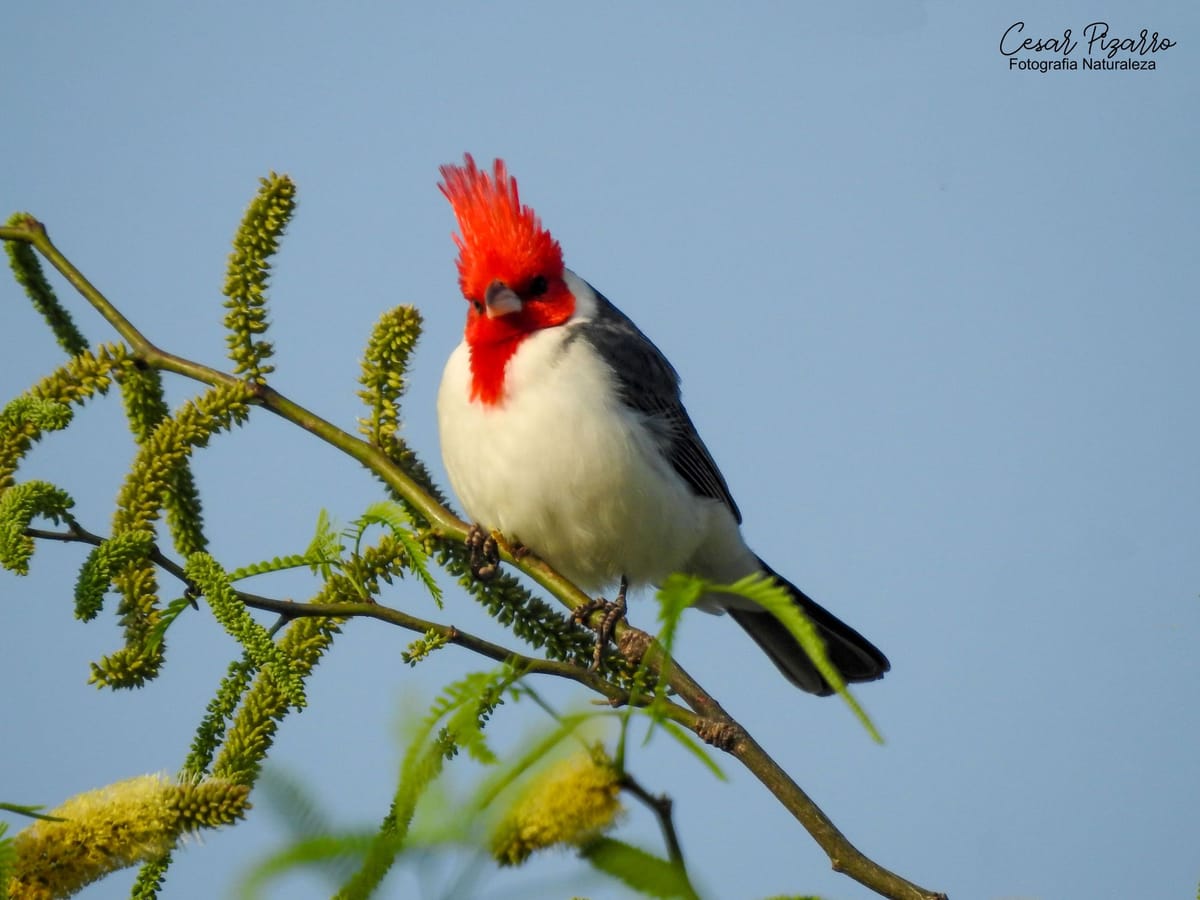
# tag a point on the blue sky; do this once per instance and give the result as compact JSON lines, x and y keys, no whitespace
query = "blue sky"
{"x":936,"y":321}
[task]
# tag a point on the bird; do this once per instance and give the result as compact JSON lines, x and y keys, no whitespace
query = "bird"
{"x":562,"y":427}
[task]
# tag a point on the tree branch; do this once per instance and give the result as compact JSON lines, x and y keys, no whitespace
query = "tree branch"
{"x":661,"y":805}
{"x":713,"y":723}
{"x":358,"y":609}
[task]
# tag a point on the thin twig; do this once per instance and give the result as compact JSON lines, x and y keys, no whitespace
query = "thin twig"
{"x":356,"y":608}
{"x":661,"y":805}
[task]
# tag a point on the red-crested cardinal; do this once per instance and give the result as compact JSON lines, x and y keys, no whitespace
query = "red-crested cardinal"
{"x":562,"y":427}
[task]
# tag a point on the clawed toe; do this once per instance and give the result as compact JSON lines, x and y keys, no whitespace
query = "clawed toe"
{"x":613,"y":612}
{"x":484,"y":553}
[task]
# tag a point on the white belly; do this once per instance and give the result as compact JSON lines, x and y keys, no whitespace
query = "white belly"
{"x":562,"y":467}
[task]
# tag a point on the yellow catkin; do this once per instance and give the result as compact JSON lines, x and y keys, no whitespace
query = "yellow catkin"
{"x":569,"y":804}
{"x":113,"y":827}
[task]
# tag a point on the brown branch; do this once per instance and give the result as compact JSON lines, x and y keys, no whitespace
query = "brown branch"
{"x":712,"y":719}
{"x":661,"y":805}
{"x":291,"y":609}
{"x":351,"y":609}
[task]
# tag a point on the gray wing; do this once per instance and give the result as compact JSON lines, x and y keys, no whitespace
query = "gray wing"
{"x":650,"y":385}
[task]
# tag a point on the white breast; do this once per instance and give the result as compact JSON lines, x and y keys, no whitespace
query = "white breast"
{"x":566,"y":469}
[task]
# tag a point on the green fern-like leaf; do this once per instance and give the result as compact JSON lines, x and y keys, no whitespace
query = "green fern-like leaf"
{"x":464,"y":728}
{"x":688,"y":741}
{"x":294,"y":804}
{"x":326,"y":546}
{"x":394,"y":517}
{"x":32,"y":812}
{"x":677,"y":594}
{"x":418,"y":561}
{"x":421,"y":767}
{"x":360,"y":575}
{"x":314,"y":840}
{"x":776,"y":600}
{"x":465,"y":707}
{"x":171,"y":612}
{"x":382,"y":512}
{"x":280,"y":564}
{"x":331,"y":853}
{"x":646,"y":873}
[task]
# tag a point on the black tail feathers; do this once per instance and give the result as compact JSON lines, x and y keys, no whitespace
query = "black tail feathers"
{"x":856,"y":658}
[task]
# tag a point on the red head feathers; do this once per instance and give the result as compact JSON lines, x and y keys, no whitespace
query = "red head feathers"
{"x":499,"y":239}
{"x":509,"y":267}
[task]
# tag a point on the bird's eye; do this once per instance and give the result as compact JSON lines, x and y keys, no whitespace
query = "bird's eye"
{"x":538,"y":286}
{"x":478,"y":306}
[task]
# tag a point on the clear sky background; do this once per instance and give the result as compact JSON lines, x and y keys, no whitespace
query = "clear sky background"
{"x":936,"y":319}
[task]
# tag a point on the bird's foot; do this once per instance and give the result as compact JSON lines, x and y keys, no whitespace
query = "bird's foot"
{"x":483,"y":553}
{"x":614,"y":612}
